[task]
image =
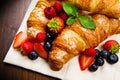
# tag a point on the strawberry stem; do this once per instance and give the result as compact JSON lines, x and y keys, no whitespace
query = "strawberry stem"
{"x":54,"y":24}
{"x":114,"y":49}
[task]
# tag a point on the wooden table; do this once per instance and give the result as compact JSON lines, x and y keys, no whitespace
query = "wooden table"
{"x":11,"y":15}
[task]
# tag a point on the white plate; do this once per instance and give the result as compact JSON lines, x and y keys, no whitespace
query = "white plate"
{"x":71,"y":70}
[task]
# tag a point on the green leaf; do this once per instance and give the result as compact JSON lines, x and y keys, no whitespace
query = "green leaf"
{"x":87,"y":22}
{"x":70,"y":20}
{"x":70,"y":9}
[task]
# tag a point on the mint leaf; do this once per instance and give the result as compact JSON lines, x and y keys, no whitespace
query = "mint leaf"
{"x":70,"y":9}
{"x":87,"y":22}
{"x":70,"y":20}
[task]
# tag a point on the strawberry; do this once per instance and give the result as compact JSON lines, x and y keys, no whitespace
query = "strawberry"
{"x":85,"y":61}
{"x":40,"y":37}
{"x":26,"y":48}
{"x":112,"y":46}
{"x":91,"y":52}
{"x":50,"y":12}
{"x":20,"y":38}
{"x":40,"y":50}
{"x":58,"y":6}
{"x":56,"y":24}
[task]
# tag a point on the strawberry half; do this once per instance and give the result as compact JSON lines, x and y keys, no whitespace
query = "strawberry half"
{"x":91,"y":52}
{"x":56,"y":24}
{"x":85,"y":61}
{"x":20,"y":38}
{"x":112,"y":46}
{"x":40,"y":50}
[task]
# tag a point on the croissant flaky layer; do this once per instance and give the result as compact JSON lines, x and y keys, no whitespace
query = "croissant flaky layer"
{"x":108,"y":7}
{"x":74,"y":39}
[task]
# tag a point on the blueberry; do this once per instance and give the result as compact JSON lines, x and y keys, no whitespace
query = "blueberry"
{"x":33,"y":55}
{"x":99,"y":61}
{"x":47,"y":46}
{"x":48,"y":37}
{"x":93,"y":67}
{"x":104,"y":54}
{"x":113,"y":58}
{"x":97,"y":54}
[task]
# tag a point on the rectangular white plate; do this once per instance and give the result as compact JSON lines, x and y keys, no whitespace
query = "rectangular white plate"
{"x":71,"y":70}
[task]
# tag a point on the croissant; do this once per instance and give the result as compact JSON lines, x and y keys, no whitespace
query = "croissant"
{"x":110,"y":8}
{"x":37,"y":20}
{"x":75,"y":39}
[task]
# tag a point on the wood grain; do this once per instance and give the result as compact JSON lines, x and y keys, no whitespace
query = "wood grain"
{"x":11,"y":15}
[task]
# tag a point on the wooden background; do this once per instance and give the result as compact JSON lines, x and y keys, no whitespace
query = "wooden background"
{"x":11,"y":15}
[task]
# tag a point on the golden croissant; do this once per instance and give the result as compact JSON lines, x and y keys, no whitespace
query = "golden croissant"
{"x":75,"y":39}
{"x":108,"y":7}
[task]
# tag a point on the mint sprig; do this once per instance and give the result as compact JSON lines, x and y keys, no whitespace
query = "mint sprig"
{"x":87,"y":22}
{"x":72,"y":11}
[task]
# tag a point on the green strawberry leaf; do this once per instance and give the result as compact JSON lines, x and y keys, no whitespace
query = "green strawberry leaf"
{"x":70,"y":9}
{"x":70,"y":20}
{"x":87,"y":22}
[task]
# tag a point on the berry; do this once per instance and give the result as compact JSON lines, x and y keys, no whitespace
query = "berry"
{"x":56,"y":25}
{"x":112,"y":46}
{"x":64,"y":16}
{"x":99,"y":61}
{"x":40,"y":50}
{"x":48,"y":37}
{"x":47,"y":46}
{"x":50,"y":12}
{"x":112,"y":59}
{"x":91,"y":52}
{"x":26,"y":48}
{"x":20,"y":38}
{"x":93,"y":67}
{"x":104,"y":54}
{"x":40,"y":37}
{"x":97,"y":54}
{"x":33,"y":55}
{"x":85,"y":61}
{"x":58,"y":6}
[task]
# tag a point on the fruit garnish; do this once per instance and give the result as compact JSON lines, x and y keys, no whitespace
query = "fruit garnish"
{"x":40,"y":37}
{"x":99,"y":61}
{"x":20,"y":38}
{"x":85,"y":61}
{"x":112,"y":46}
{"x":58,"y":6}
{"x":63,"y":15}
{"x":50,"y":12}
{"x":26,"y":48}
{"x":93,"y":67}
{"x":56,"y":24}
{"x":91,"y":52}
{"x":47,"y":46}
{"x":104,"y":54}
{"x":40,"y":50}
{"x":112,"y":59}
{"x":33,"y":55}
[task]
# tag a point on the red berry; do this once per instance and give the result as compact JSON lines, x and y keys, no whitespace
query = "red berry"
{"x":40,"y":37}
{"x":112,"y":46}
{"x":58,"y":6}
{"x":91,"y":52}
{"x":50,"y":12}
{"x":26,"y":48}
{"x":63,"y":15}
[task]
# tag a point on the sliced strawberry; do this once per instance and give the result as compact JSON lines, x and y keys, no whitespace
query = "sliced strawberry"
{"x":20,"y":38}
{"x":56,"y":24}
{"x":85,"y":61}
{"x":40,"y":50}
{"x":26,"y":48}
{"x":112,"y":46}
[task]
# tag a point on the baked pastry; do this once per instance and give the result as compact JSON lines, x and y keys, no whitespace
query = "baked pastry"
{"x":110,"y":8}
{"x":75,"y":39}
